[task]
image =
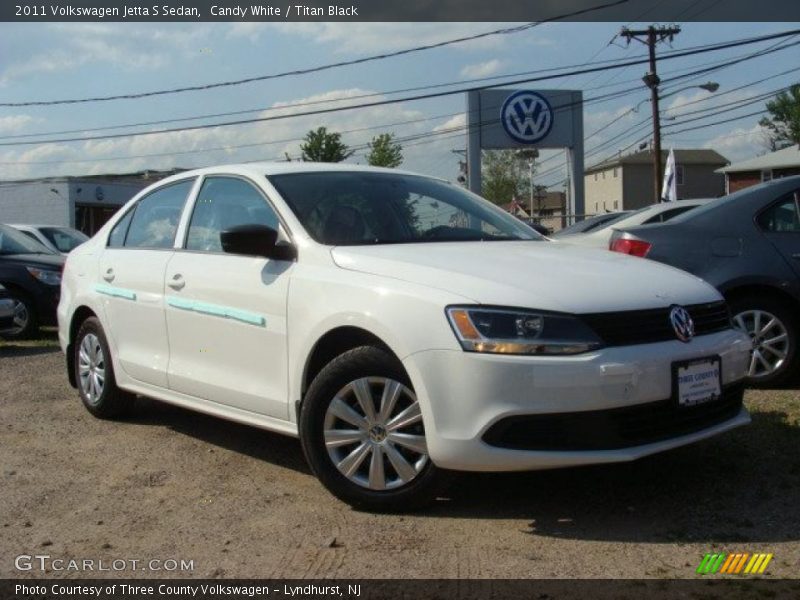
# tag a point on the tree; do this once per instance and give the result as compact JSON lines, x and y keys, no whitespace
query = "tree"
{"x":504,"y":176}
{"x":385,"y":152}
{"x":783,"y":125}
{"x":322,"y":146}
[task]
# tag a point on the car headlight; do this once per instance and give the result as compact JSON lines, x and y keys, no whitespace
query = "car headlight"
{"x":46,"y":276}
{"x":513,"y":331}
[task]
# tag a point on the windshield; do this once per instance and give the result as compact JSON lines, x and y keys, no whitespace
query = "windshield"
{"x":349,"y":208}
{"x":63,"y":239}
{"x":15,"y":242}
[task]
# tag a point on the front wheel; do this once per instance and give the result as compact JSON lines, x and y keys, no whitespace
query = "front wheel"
{"x":363,"y":436}
{"x":774,"y":330}
{"x":26,"y":322}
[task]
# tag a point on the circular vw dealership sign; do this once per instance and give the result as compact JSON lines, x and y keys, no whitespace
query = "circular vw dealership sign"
{"x":527,"y":117}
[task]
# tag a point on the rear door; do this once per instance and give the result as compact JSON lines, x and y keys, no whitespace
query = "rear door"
{"x":780,"y":224}
{"x":131,"y":281}
{"x":226,"y":313}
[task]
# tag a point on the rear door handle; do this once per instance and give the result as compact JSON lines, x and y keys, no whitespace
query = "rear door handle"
{"x":177,"y":282}
{"x":109,"y":275}
{"x":796,"y":255}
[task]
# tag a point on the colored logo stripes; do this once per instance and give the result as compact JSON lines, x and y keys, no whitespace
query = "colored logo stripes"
{"x":741,"y":563}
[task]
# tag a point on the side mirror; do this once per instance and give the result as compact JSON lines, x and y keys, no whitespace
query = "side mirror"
{"x":256,"y":240}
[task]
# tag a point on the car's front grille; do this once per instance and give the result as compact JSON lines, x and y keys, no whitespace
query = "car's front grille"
{"x":614,"y":428}
{"x":648,"y":326}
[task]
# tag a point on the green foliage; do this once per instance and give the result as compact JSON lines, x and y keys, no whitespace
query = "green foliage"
{"x":385,"y":152}
{"x":783,"y":125}
{"x":322,"y":146}
{"x":504,"y":176}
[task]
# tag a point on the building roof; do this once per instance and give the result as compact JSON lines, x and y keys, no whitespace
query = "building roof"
{"x":780,"y":159}
{"x":146,"y":175}
{"x":697,"y":156}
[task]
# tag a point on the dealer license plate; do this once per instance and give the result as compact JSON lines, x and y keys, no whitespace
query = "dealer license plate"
{"x":698,"y":381}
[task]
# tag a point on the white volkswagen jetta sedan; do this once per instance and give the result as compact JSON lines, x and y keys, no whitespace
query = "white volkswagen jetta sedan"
{"x":401,"y":326}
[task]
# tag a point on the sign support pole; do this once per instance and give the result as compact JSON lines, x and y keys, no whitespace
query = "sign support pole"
{"x":474,"y":142}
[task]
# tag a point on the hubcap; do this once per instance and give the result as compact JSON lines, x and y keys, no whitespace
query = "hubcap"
{"x":21,"y":317}
{"x":91,"y":368}
{"x":770,"y":341}
{"x":374,"y":433}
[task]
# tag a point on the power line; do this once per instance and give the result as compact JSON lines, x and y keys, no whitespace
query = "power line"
{"x":389,"y":101}
{"x":716,"y":65}
{"x":317,"y":69}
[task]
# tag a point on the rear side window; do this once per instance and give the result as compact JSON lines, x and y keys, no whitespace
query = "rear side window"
{"x":155,"y":218}
{"x":116,"y":238}
{"x":783,"y":216}
{"x":223,"y":203}
{"x":668,"y":214}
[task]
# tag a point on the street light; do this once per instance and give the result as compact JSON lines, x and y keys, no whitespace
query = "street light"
{"x":651,"y":80}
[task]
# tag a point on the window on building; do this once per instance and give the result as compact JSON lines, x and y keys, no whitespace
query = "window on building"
{"x":223,"y":203}
{"x":615,"y":172}
{"x":616,"y":204}
{"x":766,"y":175}
{"x":595,"y":176}
{"x":679,"y":174}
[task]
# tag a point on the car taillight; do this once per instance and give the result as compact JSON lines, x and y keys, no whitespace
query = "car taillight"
{"x":633,"y":247}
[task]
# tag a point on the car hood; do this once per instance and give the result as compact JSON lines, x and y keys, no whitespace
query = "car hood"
{"x":543,"y":275}
{"x":43,"y":261}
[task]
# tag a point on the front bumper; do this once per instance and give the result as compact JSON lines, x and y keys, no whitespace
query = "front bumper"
{"x":463,"y":395}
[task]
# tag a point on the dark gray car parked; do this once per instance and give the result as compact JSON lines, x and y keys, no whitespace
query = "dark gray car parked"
{"x":747,"y":245}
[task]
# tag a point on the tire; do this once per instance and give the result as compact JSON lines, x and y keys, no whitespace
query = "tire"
{"x":94,"y":373}
{"x":26,"y":320}
{"x":376,"y":472}
{"x":775,"y":341}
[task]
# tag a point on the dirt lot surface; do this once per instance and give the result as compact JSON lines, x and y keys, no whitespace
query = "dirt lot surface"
{"x":240,"y":502}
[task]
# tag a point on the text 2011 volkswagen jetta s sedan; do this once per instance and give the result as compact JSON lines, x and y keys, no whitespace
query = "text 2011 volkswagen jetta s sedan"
{"x":399,"y":325}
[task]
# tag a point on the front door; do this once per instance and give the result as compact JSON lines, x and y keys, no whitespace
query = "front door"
{"x":226,"y":314}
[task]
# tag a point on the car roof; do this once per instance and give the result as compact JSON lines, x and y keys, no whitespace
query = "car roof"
{"x":259,"y":169}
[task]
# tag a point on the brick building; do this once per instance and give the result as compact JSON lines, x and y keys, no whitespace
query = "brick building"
{"x":781,"y":163}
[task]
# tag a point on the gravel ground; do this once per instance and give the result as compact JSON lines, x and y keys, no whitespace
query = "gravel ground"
{"x":240,"y":502}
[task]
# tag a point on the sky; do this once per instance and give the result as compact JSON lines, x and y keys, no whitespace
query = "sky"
{"x":79,"y":60}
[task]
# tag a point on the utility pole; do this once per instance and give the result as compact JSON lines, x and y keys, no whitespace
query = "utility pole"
{"x":652,"y":36}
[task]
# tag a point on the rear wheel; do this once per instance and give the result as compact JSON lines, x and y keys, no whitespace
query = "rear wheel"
{"x":774,"y":330}
{"x":363,"y":435}
{"x":94,"y":373}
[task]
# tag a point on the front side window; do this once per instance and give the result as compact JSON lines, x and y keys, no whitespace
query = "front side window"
{"x":15,"y":242}
{"x":356,"y":208}
{"x":784,"y":216}
{"x":223,"y":203}
{"x":155,"y":218}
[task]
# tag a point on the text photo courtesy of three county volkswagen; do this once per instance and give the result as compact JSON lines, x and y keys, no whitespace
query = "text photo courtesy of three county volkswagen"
{"x":392,"y":300}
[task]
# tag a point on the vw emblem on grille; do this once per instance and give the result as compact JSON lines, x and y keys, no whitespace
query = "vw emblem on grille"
{"x":682,"y":323}
{"x":527,"y":117}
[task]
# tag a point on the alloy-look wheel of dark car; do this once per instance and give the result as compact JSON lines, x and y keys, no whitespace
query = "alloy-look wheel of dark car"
{"x":773,"y":329}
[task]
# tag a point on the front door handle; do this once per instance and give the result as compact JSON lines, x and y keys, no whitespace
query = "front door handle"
{"x":796,"y":255}
{"x":177,"y":282}
{"x":109,"y":275}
